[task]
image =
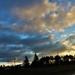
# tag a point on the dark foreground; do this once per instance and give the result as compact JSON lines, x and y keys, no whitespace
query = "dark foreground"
{"x":59,"y":70}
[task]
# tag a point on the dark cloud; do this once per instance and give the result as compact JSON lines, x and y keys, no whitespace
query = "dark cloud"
{"x":50,"y":48}
{"x":9,"y":52}
{"x":71,"y":37}
{"x":15,"y":38}
{"x":18,"y":45}
{"x":8,"y":4}
{"x":12,"y":45}
{"x":9,"y":39}
{"x":36,"y":40}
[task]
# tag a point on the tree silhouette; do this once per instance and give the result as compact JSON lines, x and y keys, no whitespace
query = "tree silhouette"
{"x":66,"y":59}
{"x":35,"y":62}
{"x":51,"y":59}
{"x":42,"y":62}
{"x":71,"y":57}
{"x":47,"y":60}
{"x":57,"y":60}
{"x":26,"y":62}
{"x":36,"y":57}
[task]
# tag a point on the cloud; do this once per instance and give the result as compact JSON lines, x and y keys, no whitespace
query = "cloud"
{"x":34,"y":15}
{"x":71,"y":38}
{"x":8,"y":39}
{"x":63,"y":35}
{"x":69,"y":42}
{"x":50,"y":49}
{"x":43,"y":44}
{"x":29,"y":26}
{"x":13,"y":45}
{"x":37,"y":19}
{"x":18,"y":3}
{"x":39,"y":15}
{"x":9,"y":52}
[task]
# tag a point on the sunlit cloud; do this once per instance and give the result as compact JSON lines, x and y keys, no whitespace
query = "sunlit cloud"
{"x":37,"y":17}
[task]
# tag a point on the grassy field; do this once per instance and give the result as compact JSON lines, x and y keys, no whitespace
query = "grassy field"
{"x":59,"y":70}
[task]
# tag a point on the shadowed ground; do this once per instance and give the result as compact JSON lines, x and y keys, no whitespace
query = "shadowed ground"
{"x":59,"y":70}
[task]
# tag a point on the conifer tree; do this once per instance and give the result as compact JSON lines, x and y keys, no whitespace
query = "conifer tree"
{"x":26,"y":62}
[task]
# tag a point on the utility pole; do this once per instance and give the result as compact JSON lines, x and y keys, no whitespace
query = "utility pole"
{"x":14,"y":61}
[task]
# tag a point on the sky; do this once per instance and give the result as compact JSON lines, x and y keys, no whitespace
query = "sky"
{"x":44,"y":27}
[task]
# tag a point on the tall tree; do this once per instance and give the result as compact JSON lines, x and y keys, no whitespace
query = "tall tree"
{"x":26,"y":62}
{"x":36,"y":57}
{"x":57,"y":60}
{"x":35,"y":62}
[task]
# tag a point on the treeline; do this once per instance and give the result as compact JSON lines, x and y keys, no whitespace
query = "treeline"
{"x":47,"y":61}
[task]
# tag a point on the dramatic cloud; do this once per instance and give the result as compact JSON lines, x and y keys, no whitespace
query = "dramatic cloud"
{"x":44,"y":27}
{"x":44,"y":15}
